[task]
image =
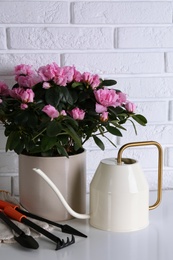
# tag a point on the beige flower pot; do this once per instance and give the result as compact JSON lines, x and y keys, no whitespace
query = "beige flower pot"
{"x":68,"y":174}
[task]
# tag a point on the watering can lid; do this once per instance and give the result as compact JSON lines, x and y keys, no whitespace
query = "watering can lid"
{"x":113,"y":161}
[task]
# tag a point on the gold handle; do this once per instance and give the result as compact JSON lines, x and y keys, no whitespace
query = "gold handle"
{"x":160,"y":166}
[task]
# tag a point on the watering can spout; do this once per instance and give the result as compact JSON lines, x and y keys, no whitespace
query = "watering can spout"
{"x":60,"y":196}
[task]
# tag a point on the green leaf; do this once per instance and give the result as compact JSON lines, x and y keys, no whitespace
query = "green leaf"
{"x":116,"y":111}
{"x":109,"y":82}
{"x":140,"y":119}
{"x":12,"y":141}
{"x":53,"y":96}
{"x":70,"y":121}
{"x":39,"y":91}
{"x":53,"y":128}
{"x":62,"y":151}
{"x":115,"y":123}
{"x":34,"y":150}
{"x":32,"y":120}
{"x":19,"y":147}
{"x":21,"y":117}
{"x":82,"y":96}
{"x":113,"y":130}
{"x":109,"y":140}
{"x":66,"y":96}
{"x":76,"y":84}
{"x":47,"y":143}
{"x":70,"y":131}
{"x":98,"y":142}
{"x":133,"y":126}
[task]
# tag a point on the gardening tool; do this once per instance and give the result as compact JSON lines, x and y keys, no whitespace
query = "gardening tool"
{"x":12,"y":213}
{"x":119,"y":193}
{"x":23,"y":239}
{"x":64,"y":228}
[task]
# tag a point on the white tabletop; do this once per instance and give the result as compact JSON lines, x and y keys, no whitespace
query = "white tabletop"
{"x":154,"y":242}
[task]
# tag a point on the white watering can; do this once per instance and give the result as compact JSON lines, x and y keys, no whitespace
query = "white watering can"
{"x":119,"y":193}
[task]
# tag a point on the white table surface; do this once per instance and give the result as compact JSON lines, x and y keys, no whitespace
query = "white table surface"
{"x":154,"y":242}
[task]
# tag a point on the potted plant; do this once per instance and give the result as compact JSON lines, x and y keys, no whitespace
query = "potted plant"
{"x":51,"y":112}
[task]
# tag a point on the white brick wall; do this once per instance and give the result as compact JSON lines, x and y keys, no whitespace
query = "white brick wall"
{"x":35,"y":12}
{"x":117,"y":63}
{"x":145,"y":37}
{"x":129,"y":12}
{"x":60,"y":38}
{"x":130,"y":41}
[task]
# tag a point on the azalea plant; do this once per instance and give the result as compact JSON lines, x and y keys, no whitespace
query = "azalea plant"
{"x":54,"y":110}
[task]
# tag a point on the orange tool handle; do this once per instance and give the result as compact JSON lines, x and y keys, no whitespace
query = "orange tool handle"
{"x":4,"y":204}
{"x":12,"y":213}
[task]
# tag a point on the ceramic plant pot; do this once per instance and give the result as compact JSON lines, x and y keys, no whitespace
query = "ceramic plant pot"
{"x":68,"y":174}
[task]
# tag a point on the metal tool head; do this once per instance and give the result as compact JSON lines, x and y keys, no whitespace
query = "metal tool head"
{"x":61,"y":243}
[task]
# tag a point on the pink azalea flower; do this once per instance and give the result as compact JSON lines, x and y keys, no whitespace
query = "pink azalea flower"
{"x":28,"y":81}
{"x":122,"y":98}
{"x":68,"y":73}
{"x":77,"y":75}
{"x":16,"y":92}
{"x":0,"y":100}
{"x":92,"y":80}
{"x":4,"y":91}
{"x":77,"y":114}
{"x":96,"y":81}
{"x":23,"y":69}
{"x":131,"y":107}
{"x":86,"y":76}
{"x":100,"y":108}
{"x":28,"y":96}
{"x":22,"y":94}
{"x":50,"y":111}
{"x":106,"y":97}
{"x":61,"y":77}
{"x":48,"y":72}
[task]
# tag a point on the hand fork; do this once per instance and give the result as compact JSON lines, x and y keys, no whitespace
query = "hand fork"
{"x":12,"y":213}
{"x":64,"y":228}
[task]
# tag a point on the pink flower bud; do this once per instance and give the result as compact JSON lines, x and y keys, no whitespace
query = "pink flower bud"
{"x":92,"y":80}
{"x":27,"y":96}
{"x":63,"y":113}
{"x":104,"y":116}
{"x":50,"y":111}
{"x":77,"y":113}
{"x":46,"y":85}
{"x":131,"y":107}
{"x":23,"y":106}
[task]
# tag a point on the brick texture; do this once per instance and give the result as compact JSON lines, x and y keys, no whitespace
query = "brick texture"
{"x":117,"y":63}
{"x":147,"y":88}
{"x":60,"y":38}
{"x":129,"y":12}
{"x":18,"y":12}
{"x":169,"y":62}
{"x":145,"y":37}
{"x":2,"y":39}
